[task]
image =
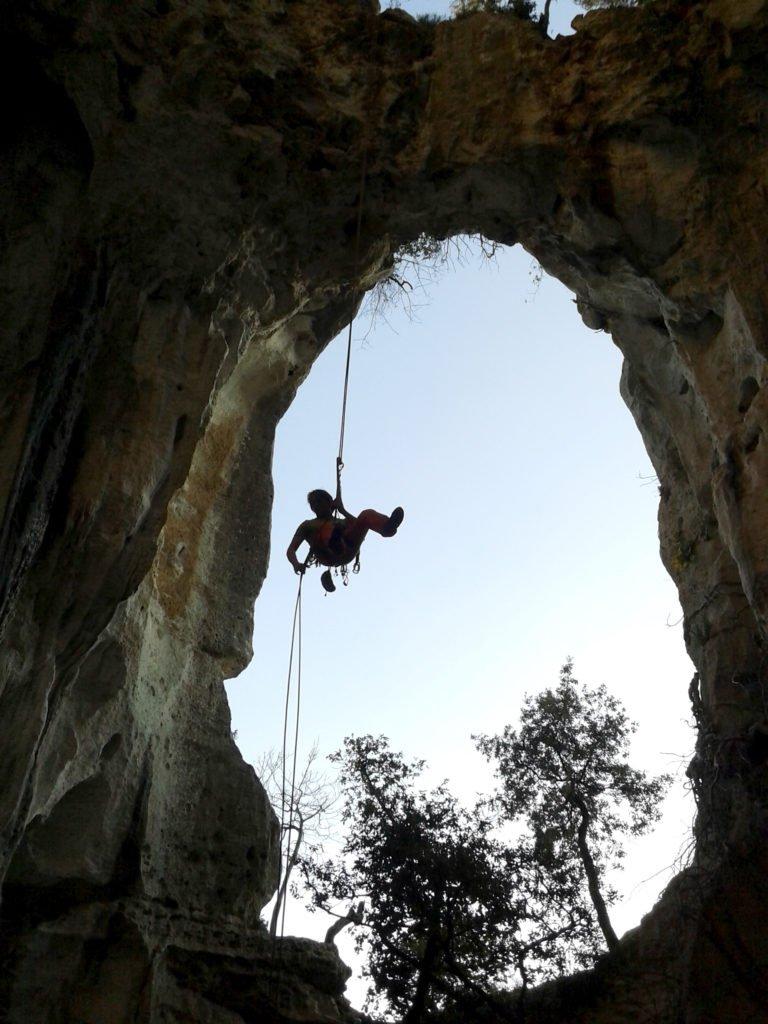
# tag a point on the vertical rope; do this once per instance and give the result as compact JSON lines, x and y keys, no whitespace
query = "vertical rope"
{"x":285,"y":833}
{"x":358,"y":228}
{"x":274,"y":985}
{"x":356,"y":262}
{"x":283,"y":837}
{"x":293,"y":769}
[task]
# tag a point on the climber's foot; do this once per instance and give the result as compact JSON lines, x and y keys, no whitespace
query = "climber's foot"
{"x":327,"y":581}
{"x":394,"y":522}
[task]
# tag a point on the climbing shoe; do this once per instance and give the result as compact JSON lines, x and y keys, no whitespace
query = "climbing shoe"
{"x":394,"y":522}
{"x":327,"y":581}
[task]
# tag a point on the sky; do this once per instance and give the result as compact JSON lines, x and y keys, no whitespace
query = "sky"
{"x":493,"y":416}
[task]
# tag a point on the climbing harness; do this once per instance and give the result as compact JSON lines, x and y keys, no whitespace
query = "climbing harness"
{"x":341,"y":571}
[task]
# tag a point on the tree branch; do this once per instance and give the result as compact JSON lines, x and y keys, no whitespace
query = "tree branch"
{"x":353,"y":916}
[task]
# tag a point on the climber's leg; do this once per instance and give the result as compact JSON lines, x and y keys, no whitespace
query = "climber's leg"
{"x":386,"y":526}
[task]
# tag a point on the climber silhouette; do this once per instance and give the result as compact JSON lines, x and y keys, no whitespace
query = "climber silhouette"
{"x":336,"y":542}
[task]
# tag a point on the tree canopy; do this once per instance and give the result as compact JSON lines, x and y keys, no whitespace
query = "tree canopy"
{"x":442,"y":911}
{"x":533,"y":9}
{"x":565,"y":777}
{"x":461,"y":903}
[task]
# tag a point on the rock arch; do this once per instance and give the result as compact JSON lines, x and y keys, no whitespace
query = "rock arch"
{"x":163,"y":299}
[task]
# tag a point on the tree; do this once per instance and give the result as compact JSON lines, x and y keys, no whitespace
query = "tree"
{"x":443,"y":916}
{"x":530,"y":10}
{"x":453,"y":912}
{"x":525,"y":9}
{"x":564,"y":776}
{"x":305,"y":808}
{"x":592,"y":4}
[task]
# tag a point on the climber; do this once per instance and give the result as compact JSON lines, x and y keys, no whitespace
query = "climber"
{"x":336,"y":542}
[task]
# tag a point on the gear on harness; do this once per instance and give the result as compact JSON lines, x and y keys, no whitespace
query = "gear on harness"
{"x":342,"y":570}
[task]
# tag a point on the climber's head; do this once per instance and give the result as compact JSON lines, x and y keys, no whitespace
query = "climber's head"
{"x":321,"y":504}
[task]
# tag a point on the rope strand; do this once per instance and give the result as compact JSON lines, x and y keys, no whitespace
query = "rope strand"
{"x":293,"y":769}
{"x":285,"y":834}
{"x":285,"y":837}
{"x":356,"y":262}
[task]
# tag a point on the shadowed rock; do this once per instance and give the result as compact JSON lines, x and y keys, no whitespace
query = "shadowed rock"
{"x":181,"y":183}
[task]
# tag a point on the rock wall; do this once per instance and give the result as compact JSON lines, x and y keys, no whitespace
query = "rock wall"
{"x":181,"y":187}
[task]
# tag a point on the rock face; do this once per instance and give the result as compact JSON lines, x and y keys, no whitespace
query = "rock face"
{"x":181,"y":183}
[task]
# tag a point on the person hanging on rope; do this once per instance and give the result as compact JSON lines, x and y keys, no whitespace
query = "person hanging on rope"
{"x":336,"y":542}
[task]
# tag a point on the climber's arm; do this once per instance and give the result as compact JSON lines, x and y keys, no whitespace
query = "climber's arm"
{"x":301,"y":535}
{"x":339,"y":504}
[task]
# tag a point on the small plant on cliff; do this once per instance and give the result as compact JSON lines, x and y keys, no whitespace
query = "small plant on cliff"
{"x":418,"y":264}
{"x":565,"y":778}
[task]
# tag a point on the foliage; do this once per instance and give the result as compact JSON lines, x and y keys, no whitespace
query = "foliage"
{"x":442,"y":912}
{"x":452,"y":912}
{"x":525,"y":9}
{"x":592,"y":4}
{"x":429,"y":19}
{"x":424,"y":249}
{"x":529,"y":10}
{"x":565,"y":778}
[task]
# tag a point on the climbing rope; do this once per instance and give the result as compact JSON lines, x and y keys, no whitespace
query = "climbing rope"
{"x":285,"y":834}
{"x":356,"y":262}
{"x":293,"y":767}
{"x":296,"y":641}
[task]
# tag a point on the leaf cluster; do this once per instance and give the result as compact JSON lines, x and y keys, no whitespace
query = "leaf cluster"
{"x":572,"y":747}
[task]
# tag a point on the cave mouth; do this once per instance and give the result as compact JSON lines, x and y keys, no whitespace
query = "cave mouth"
{"x":493,"y":415}
{"x":625,"y":159}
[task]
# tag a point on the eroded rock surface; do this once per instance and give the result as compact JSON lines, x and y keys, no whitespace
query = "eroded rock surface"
{"x":180,"y":190}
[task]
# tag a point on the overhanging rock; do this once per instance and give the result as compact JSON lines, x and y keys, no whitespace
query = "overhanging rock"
{"x":181,"y":182}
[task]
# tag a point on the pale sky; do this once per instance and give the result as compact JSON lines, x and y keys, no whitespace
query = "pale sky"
{"x":492,"y":415}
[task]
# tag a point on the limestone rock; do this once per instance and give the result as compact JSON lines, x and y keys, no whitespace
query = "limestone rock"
{"x":181,"y":186}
